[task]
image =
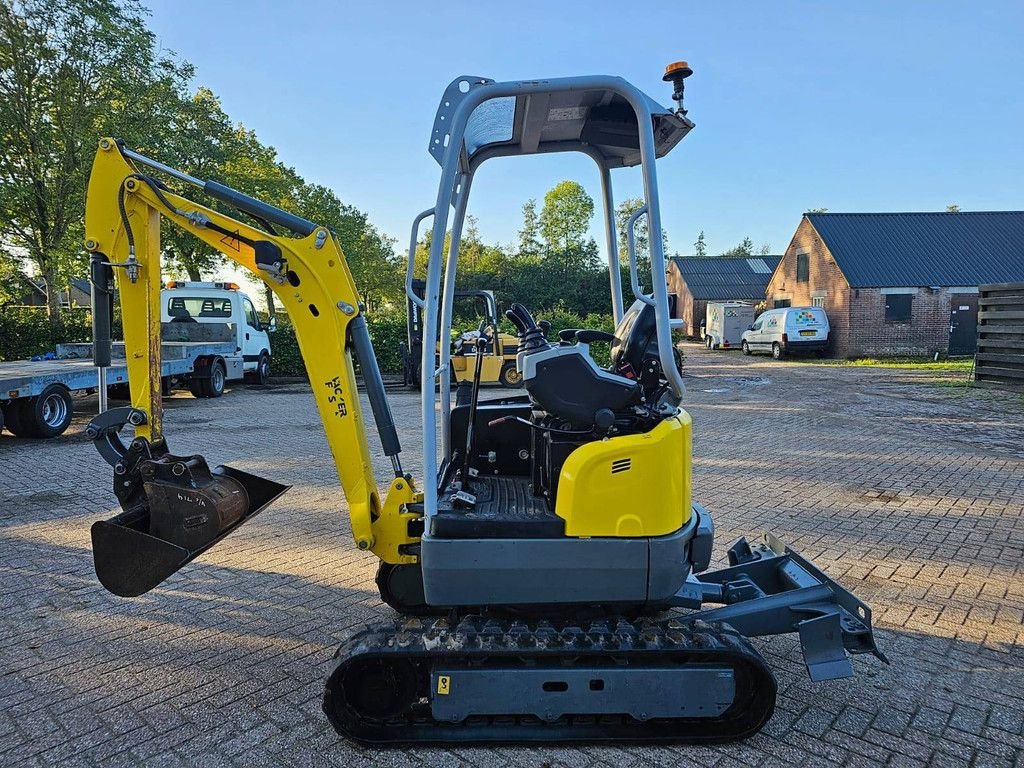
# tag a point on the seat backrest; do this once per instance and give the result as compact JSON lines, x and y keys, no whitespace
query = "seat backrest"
{"x":635,"y":337}
{"x":177,"y":308}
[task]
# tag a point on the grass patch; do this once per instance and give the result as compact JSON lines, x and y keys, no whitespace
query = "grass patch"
{"x":960,"y":364}
{"x":961,"y":383}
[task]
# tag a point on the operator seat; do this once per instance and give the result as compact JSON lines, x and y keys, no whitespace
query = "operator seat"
{"x":564,"y":380}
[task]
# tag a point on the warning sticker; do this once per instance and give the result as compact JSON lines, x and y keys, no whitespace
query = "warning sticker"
{"x":444,"y":684}
{"x":232,"y":241}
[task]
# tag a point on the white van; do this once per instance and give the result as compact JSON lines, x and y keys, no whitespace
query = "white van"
{"x":725,"y":322}
{"x":787,"y":330}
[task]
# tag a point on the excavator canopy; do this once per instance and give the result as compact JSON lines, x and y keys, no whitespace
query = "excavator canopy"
{"x":593,"y":118}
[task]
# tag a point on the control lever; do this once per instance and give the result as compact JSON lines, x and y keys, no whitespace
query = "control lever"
{"x":481,"y":344}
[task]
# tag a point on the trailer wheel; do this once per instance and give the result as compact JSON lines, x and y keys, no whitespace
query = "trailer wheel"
{"x":49,"y":414}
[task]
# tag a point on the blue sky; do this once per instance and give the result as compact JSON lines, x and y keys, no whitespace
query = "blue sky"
{"x":852,"y":106}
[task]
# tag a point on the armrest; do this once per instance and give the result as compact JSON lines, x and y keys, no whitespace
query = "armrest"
{"x":589,"y":337}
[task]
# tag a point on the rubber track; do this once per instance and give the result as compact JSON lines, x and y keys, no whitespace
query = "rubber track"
{"x":413,"y":646}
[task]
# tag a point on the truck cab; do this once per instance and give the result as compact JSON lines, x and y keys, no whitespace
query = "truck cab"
{"x":220,"y":304}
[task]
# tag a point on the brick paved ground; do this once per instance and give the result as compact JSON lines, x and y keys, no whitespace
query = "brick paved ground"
{"x":911,"y":495}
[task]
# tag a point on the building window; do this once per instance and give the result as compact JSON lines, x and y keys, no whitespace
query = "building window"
{"x":818,"y":301}
{"x":781,"y":303}
{"x":897,"y":307}
{"x":803,"y":267}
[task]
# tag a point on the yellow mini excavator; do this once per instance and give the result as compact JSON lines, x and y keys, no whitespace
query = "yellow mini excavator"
{"x":535,"y":563}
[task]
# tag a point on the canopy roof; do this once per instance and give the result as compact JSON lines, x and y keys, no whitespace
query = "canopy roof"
{"x":589,"y":114}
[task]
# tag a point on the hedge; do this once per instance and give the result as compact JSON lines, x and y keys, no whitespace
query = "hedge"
{"x":26,"y":331}
{"x":387,"y":331}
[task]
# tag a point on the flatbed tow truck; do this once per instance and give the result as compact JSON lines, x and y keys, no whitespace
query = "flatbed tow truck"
{"x":224,"y":341}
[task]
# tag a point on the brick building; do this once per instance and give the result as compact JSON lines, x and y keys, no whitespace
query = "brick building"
{"x":697,"y":280}
{"x":899,"y":283}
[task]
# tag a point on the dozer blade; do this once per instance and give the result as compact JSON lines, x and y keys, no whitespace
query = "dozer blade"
{"x":175,"y":508}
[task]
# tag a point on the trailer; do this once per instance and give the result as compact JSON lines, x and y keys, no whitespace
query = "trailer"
{"x":725,"y":323}
{"x":35,"y":395}
{"x":210,"y":335}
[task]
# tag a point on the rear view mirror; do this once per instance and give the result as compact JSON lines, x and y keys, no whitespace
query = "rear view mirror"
{"x":272,"y":324}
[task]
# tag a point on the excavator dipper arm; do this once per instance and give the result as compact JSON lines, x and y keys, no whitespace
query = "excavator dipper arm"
{"x":310,"y":277}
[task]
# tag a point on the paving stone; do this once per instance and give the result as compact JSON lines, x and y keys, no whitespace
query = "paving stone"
{"x":910,"y":495}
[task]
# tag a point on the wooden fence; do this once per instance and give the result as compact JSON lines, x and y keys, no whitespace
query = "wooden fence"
{"x":1000,"y":360}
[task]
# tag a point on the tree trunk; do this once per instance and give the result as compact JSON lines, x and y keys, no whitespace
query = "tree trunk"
{"x":52,"y":292}
{"x":271,"y":309}
{"x":191,"y":268}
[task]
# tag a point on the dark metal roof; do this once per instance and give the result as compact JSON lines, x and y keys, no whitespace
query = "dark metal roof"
{"x":721,"y":278}
{"x":880,"y":250}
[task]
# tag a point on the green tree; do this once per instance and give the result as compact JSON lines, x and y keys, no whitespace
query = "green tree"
{"x":641,"y":231}
{"x":700,"y":248}
{"x":70,"y":72}
{"x":376,"y":268}
{"x":200,"y":140}
{"x":641,"y":238}
{"x":564,"y":224}
{"x":529,"y":234}
{"x":745,"y":248}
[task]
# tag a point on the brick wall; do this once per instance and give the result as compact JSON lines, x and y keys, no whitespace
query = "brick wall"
{"x":925,"y":334}
{"x":825,"y":279}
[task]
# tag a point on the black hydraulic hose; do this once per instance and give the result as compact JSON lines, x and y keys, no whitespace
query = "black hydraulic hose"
{"x":154,"y":185}
{"x":538,"y":427}
{"x":124,"y":220}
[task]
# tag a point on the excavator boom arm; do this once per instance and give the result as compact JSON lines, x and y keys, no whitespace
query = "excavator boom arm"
{"x":309,"y":276}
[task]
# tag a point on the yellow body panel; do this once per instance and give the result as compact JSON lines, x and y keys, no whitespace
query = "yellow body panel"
{"x":391,"y":529}
{"x":318,"y":294}
{"x":635,"y":485}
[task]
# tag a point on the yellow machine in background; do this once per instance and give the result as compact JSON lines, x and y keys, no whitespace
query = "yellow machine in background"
{"x":549,"y":529}
{"x":498,"y":362}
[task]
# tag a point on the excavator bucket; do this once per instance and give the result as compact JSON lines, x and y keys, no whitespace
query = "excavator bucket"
{"x":175,"y":508}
